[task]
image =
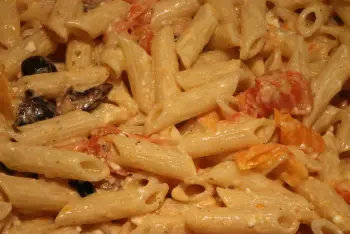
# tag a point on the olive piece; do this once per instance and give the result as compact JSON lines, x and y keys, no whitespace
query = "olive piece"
{"x":84,"y":188}
{"x":37,"y":64}
{"x":34,"y":109}
{"x":86,"y":101}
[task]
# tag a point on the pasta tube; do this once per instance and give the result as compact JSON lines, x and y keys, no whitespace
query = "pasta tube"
{"x":115,"y":205}
{"x":166,"y":113}
{"x":52,"y":162}
{"x":35,"y":195}
{"x":197,"y":35}
{"x":162,"y":160}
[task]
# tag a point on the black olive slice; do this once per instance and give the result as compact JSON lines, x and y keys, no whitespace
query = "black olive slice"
{"x":37,"y":64}
{"x":86,"y":101}
{"x":84,"y":188}
{"x":34,"y":109}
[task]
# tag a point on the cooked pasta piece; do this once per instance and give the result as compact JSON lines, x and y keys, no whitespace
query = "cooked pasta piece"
{"x":341,"y":7}
{"x":320,"y":226}
{"x":164,"y":160}
{"x":116,"y":205}
{"x":228,"y":137}
{"x":254,"y":220}
{"x":222,"y":175}
{"x":194,"y":77}
{"x":5,"y":209}
{"x":166,"y":113}
{"x":140,"y":74}
{"x":52,"y":162}
{"x":197,"y":35}
{"x":330,"y":162}
{"x":165,"y":64}
{"x":114,"y":58}
{"x":78,"y":54}
{"x":35,"y":195}
{"x":169,"y":10}
{"x":342,"y":133}
{"x":73,"y":124}
{"x":253,"y":28}
{"x":307,"y":28}
{"x":111,"y":114}
{"x":212,"y":56}
{"x":328,"y":82}
{"x":10,"y":24}
{"x":327,"y":119}
{"x":30,"y":10}
{"x":97,"y":20}
{"x":237,"y":199}
{"x":161,"y":224}
{"x":119,"y":95}
{"x":326,"y":201}
{"x":192,"y":190}
{"x":39,"y":43}
{"x":52,"y":85}
{"x":63,"y":10}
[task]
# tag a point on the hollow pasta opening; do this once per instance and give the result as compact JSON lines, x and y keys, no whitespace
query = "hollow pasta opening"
{"x":143,"y":182}
{"x":90,"y":166}
{"x":194,"y":189}
{"x":264,"y":132}
{"x":270,"y":5}
{"x":285,"y":221}
{"x":152,"y":198}
{"x":256,"y":46}
{"x":310,"y":19}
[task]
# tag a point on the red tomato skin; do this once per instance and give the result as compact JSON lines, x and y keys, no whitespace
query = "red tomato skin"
{"x":286,"y":91}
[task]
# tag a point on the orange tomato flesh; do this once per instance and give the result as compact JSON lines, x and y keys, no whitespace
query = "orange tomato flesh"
{"x":263,"y":155}
{"x":293,"y":132}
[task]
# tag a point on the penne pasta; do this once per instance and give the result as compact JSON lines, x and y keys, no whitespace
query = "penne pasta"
{"x":5,"y":209}
{"x":253,"y":28}
{"x":64,"y":127}
{"x":114,"y":58}
{"x":10,"y":24}
{"x":78,"y":55}
{"x":52,"y":162}
{"x":307,"y":28}
{"x":169,"y":10}
{"x":236,"y":199}
{"x":225,"y":220}
{"x":330,"y":162}
{"x":52,"y":85}
{"x":197,"y":35}
{"x":63,"y":10}
{"x":97,"y":20}
{"x":35,"y":10}
{"x":195,"y":77}
{"x":192,"y":190}
{"x":163,"y":114}
{"x":39,"y":43}
{"x":324,"y":86}
{"x":326,"y":201}
{"x":341,"y":8}
{"x":139,"y":69}
{"x":35,"y":195}
{"x":161,"y":160}
{"x":111,"y":114}
{"x":228,"y":137}
{"x":165,"y":64}
{"x":117,"y":205}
